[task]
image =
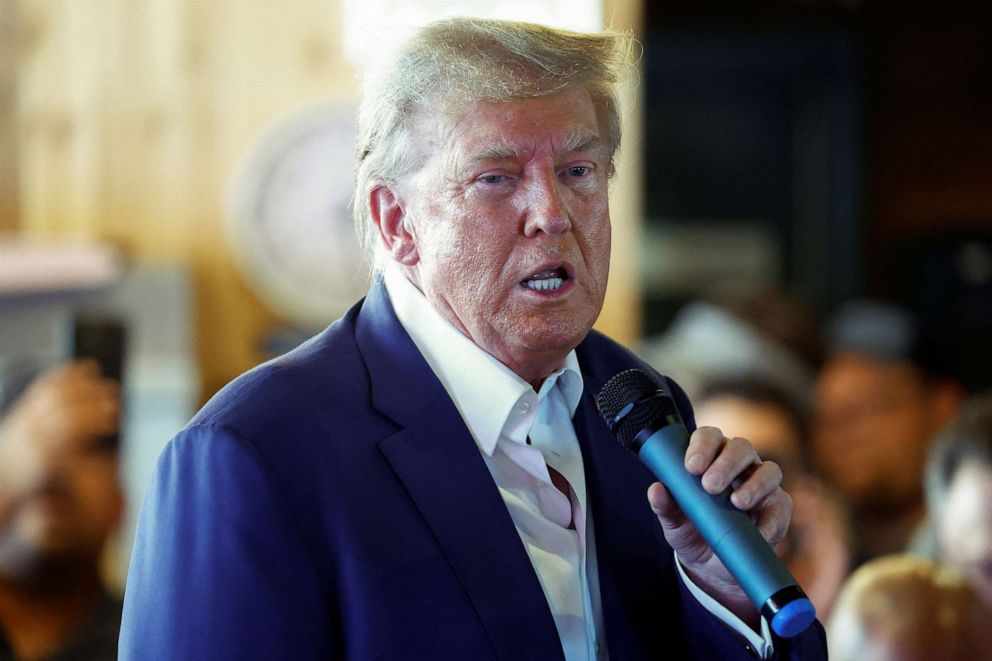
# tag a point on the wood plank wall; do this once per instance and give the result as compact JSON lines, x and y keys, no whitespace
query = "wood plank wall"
{"x":8,"y":115}
{"x":127,"y":118}
{"x":621,"y":317}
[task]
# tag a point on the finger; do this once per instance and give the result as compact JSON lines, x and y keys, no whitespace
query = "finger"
{"x":704,"y":445}
{"x":759,"y":481}
{"x":72,"y":371}
{"x":679,"y":532}
{"x":104,"y":412}
{"x":75,"y":410}
{"x":664,"y":506}
{"x":774,"y":515}
{"x":99,"y":389}
{"x":88,"y":389}
{"x":98,"y":414}
{"x":60,"y":385}
{"x":736,"y":457}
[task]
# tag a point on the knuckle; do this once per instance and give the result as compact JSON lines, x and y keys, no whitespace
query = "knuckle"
{"x":709,"y":435}
{"x":707,"y":441}
{"x":743,"y":446}
{"x":786,"y":502}
{"x":774,"y":469}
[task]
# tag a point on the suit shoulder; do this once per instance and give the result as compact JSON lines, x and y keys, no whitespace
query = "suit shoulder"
{"x":322,"y":368}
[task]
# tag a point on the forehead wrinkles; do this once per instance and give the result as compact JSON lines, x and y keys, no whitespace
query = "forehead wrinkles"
{"x":456,"y":140}
{"x":500,"y":147}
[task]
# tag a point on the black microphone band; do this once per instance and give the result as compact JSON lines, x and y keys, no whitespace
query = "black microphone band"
{"x":779,"y":600}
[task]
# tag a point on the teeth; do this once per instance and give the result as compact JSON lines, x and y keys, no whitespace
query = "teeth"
{"x":544,"y":284}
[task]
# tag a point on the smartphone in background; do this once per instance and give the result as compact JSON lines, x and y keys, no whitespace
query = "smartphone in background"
{"x":101,"y":338}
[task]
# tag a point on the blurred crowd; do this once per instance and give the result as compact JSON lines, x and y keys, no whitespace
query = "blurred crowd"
{"x":886,"y":450}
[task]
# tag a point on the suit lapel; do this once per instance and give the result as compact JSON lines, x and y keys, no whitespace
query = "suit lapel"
{"x":633,"y":560}
{"x":439,"y":464}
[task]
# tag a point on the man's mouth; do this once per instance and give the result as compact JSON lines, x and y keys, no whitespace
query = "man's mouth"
{"x":546,"y":281}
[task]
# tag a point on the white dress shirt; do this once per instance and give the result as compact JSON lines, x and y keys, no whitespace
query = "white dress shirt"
{"x":502,"y":411}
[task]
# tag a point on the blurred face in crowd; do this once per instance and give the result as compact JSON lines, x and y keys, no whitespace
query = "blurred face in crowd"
{"x":504,"y":225}
{"x":771,"y":430}
{"x":60,"y":494}
{"x":872,"y":425}
{"x":65,"y":516}
{"x":964,"y":528}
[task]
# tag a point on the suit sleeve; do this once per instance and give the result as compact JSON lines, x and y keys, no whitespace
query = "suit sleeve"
{"x":708,"y":638}
{"x":219,"y":569}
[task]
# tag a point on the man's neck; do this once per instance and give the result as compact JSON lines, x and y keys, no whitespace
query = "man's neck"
{"x":37,"y":622}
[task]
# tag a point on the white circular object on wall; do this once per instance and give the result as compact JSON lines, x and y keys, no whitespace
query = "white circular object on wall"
{"x":290,"y":216}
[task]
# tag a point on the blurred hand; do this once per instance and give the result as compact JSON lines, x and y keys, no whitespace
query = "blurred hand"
{"x":65,"y":411}
{"x":724,"y":462}
{"x":821,"y":539}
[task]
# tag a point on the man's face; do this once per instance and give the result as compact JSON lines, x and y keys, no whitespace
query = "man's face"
{"x":964,"y":530}
{"x":508,"y":225}
{"x":769,"y":427}
{"x":871,"y":429}
{"x":65,"y":516}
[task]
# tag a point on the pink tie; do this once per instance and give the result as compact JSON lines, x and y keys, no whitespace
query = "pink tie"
{"x":561,"y":484}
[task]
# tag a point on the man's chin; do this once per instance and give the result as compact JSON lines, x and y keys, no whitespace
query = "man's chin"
{"x":553,"y":340}
{"x":553,"y":330}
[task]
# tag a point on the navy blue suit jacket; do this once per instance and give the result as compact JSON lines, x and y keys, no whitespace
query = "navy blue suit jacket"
{"x":332,"y":504}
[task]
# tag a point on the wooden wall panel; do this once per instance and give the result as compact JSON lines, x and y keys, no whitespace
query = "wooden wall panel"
{"x":60,"y":96}
{"x":621,"y":317}
{"x":133,"y":115}
{"x":9,"y":194}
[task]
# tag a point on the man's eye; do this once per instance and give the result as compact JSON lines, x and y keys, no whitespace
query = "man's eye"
{"x":492,"y":178}
{"x":578,"y":170}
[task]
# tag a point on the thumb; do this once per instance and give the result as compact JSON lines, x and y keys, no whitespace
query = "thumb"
{"x":664,"y":506}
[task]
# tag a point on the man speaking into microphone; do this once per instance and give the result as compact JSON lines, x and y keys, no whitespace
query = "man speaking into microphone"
{"x":429,"y":477}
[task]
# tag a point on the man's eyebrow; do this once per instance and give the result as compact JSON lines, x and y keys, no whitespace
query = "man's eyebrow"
{"x":580,"y":140}
{"x":576,"y":140}
{"x":497,"y":151}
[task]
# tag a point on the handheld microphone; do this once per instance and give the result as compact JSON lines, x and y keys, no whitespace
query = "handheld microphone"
{"x":644,"y":418}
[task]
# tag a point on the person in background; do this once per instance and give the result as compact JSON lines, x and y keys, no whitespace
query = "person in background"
{"x":817,"y":547}
{"x":907,"y":608}
{"x":880,"y":397}
{"x":60,"y":500}
{"x":736,"y":330}
{"x":959,"y":494}
{"x":429,"y":477}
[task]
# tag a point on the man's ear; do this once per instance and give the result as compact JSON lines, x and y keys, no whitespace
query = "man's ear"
{"x":389,"y":215}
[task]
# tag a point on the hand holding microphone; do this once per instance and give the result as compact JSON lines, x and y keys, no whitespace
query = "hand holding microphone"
{"x":713,"y":488}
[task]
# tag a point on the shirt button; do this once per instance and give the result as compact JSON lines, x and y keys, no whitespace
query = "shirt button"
{"x":524,"y":407}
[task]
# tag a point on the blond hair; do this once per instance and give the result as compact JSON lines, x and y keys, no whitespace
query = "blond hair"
{"x":906,"y":607}
{"x":452,"y":64}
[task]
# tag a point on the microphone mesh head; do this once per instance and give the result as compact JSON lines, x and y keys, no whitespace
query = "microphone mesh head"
{"x":632,"y":386}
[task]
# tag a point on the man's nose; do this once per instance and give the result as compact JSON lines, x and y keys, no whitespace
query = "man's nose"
{"x":546,"y":210}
